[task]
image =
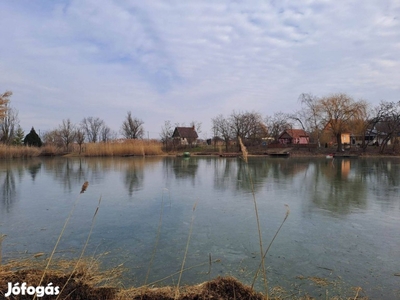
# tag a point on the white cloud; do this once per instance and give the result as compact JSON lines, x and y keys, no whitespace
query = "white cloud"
{"x":187,"y":61}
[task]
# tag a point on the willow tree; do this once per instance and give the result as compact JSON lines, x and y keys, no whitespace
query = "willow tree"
{"x":337,"y":112}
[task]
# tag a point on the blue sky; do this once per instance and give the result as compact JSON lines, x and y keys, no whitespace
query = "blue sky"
{"x":192,"y":60}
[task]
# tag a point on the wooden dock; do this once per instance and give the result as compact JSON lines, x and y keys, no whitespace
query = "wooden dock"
{"x":283,"y":152}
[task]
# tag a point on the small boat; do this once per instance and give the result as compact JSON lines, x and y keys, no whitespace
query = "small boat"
{"x":184,"y":154}
{"x":329,"y":156}
{"x":346,"y":155}
{"x":279,"y":154}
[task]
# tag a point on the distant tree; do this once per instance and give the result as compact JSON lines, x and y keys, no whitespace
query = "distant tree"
{"x":107,"y":134}
{"x":245,"y":125}
{"x":166,"y":133}
{"x":53,"y":137}
{"x":19,"y":137}
{"x":80,"y":138}
{"x":92,"y":127}
{"x":197,"y":126}
{"x":277,"y":123}
{"x":222,"y":129}
{"x":132,"y":128}
{"x":67,"y":133}
{"x":387,"y":117}
{"x":4,"y":100}
{"x":32,"y":139}
{"x":338,"y":110}
{"x":9,"y":125}
{"x":309,"y":116}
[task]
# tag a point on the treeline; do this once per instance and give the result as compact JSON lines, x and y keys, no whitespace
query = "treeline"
{"x":323,"y":118}
{"x":89,"y":130}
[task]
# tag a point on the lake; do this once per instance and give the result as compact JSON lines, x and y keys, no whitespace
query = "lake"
{"x":343,"y":228}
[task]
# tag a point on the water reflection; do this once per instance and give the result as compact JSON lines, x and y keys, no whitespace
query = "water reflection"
{"x":8,"y":187}
{"x":134,"y":176}
{"x":11,"y":175}
{"x":319,"y":191}
{"x":337,"y":187}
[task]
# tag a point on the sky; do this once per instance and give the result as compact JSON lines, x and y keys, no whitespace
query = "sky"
{"x":191,"y":60}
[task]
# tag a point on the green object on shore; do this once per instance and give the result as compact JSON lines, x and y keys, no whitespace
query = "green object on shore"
{"x":186,"y":154}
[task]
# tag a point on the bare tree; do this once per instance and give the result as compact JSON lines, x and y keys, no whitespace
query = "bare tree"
{"x":92,"y":127}
{"x":245,"y":125}
{"x":309,"y":116}
{"x":222,"y":129}
{"x":277,"y":123}
{"x":166,"y":133}
{"x":387,"y":122}
{"x":53,"y":137}
{"x":197,"y":126}
{"x":132,"y":128}
{"x":67,"y":133}
{"x":80,"y":138}
{"x":107,"y":134}
{"x":9,"y":125}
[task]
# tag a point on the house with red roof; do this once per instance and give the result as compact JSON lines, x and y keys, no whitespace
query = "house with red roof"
{"x":294,"y":136}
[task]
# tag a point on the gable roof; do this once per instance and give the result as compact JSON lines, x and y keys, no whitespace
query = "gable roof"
{"x":295,"y":133}
{"x":185,"y":133}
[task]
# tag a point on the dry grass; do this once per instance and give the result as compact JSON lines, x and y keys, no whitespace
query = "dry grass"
{"x":83,"y":278}
{"x":126,"y":148}
{"x":18,"y":151}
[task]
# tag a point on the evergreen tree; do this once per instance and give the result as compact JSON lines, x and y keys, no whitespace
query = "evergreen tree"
{"x":32,"y":139}
{"x":19,"y":137}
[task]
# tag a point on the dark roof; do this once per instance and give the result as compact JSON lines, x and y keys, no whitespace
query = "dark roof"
{"x":185,"y":132}
{"x":295,"y":133}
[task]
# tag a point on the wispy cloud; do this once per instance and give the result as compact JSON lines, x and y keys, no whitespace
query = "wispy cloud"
{"x":192,"y":60}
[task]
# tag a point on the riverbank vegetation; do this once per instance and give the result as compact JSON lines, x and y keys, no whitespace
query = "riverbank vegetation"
{"x":335,"y":121}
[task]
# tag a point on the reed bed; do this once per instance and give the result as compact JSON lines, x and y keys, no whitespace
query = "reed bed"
{"x":125,"y":148}
{"x":18,"y":151}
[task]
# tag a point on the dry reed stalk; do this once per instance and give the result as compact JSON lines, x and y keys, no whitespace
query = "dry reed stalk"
{"x":245,"y":155}
{"x":270,"y":244}
{"x":58,"y":240}
{"x":85,"y":185}
{"x":186,"y":251}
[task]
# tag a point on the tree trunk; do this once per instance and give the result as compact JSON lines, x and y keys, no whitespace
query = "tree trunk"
{"x":339,"y":142}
